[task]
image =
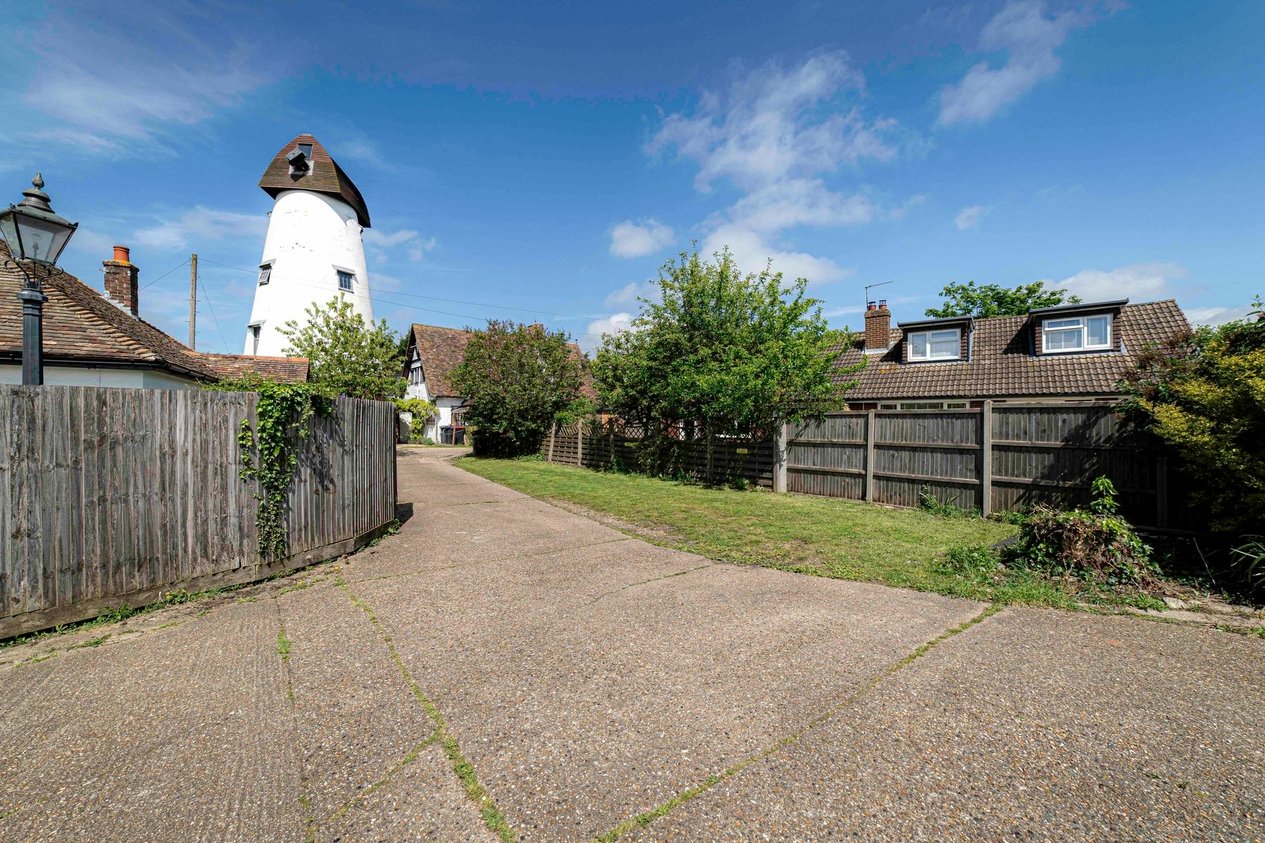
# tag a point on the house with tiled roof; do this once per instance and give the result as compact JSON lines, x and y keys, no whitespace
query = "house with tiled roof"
{"x":432,"y":353}
{"x":96,"y":339}
{"x":1074,"y":352}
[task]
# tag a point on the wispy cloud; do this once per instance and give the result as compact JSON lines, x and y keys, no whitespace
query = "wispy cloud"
{"x":970,"y":216}
{"x":636,"y":240}
{"x":777,"y":133}
{"x":382,"y":244}
{"x":1138,"y":281}
{"x":630,"y":293}
{"x":200,"y":225}
{"x":1029,"y":37}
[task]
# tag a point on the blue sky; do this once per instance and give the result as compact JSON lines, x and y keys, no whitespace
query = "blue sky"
{"x":540,"y":161}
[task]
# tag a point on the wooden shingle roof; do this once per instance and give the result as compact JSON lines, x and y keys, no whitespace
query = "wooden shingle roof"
{"x":1002,"y":362}
{"x":323,"y":176}
{"x":441,"y":350}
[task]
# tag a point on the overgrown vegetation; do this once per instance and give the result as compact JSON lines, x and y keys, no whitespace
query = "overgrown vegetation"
{"x":720,"y":353}
{"x":984,"y":300}
{"x":517,"y":379}
{"x":421,"y":413}
{"x":270,"y":452}
{"x":1203,"y":395}
{"x":347,"y":355}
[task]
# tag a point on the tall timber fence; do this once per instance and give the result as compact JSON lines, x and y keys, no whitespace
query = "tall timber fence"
{"x":999,"y":457}
{"x":609,"y":445}
{"x":111,"y":496}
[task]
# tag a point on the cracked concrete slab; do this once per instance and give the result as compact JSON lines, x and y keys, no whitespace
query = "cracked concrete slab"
{"x":1035,"y":724}
{"x":176,"y":735}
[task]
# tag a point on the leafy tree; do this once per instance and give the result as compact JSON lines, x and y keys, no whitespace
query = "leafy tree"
{"x":517,"y":379}
{"x":733,"y":354}
{"x":420,"y":413}
{"x":981,"y":300}
{"x":346,"y":355}
{"x":1204,"y":395}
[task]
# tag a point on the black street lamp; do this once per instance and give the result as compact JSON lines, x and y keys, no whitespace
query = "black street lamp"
{"x":35,"y":234}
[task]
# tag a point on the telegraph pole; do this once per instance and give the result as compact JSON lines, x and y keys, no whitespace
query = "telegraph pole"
{"x":193,"y":301}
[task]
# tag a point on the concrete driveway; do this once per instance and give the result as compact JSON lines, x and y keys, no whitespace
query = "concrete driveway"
{"x":505,"y":668}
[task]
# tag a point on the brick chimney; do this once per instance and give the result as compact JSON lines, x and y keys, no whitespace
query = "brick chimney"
{"x":120,"y":281}
{"x":878,"y":327}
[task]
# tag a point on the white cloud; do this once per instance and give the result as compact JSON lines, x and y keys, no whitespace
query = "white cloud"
{"x":778,"y":122}
{"x":796,"y":202}
{"x":752,"y":251}
{"x":1217,"y":315}
{"x":1030,"y":38}
{"x":912,"y":202}
{"x":1137,"y":282}
{"x":614,"y":324}
{"x":200,"y":225}
{"x":636,"y":240}
{"x":970,"y":217}
{"x":381,"y":244}
{"x":631,"y":292}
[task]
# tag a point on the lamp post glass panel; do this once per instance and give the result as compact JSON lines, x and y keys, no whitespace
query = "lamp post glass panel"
{"x":36,"y":236}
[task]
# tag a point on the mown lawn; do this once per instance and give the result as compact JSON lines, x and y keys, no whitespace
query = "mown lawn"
{"x":811,"y":535}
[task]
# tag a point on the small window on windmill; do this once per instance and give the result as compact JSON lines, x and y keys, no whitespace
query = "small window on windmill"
{"x":265,"y":273}
{"x":300,"y":159}
{"x":345,"y":280}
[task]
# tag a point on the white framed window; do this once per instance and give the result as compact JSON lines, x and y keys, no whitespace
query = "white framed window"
{"x":265,"y":273}
{"x":254,"y":329}
{"x":942,"y":344}
{"x":1076,"y":333}
{"x":345,"y":280}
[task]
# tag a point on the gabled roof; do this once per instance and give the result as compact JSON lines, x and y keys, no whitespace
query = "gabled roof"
{"x":280,"y":369}
{"x":1002,"y":362}
{"x":324,"y":176}
{"x":441,"y":350}
{"x":82,"y":326}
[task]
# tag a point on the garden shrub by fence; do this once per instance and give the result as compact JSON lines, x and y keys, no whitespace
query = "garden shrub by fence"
{"x":116,"y":495}
{"x":1001,"y":457}
{"x":604,"y":446}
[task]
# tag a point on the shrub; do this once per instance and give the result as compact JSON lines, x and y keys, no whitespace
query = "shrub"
{"x":1248,"y":566}
{"x":928,"y":502}
{"x":1094,"y":544}
{"x":972,"y":559}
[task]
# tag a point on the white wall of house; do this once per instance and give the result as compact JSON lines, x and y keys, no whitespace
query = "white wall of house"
{"x":311,"y":237}
{"x":91,"y":376}
{"x":443,"y":415}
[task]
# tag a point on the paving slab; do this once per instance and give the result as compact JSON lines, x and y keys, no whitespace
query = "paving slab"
{"x":1033,"y":725}
{"x":580,"y":711}
{"x":175,"y":735}
{"x":355,"y":716}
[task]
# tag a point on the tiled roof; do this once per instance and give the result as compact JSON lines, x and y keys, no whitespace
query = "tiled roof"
{"x":81,"y":325}
{"x":441,"y":351}
{"x":1002,"y":363}
{"x":324,"y":176}
{"x":280,"y":369}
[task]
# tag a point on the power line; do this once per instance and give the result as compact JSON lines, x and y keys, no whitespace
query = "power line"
{"x":184,"y":262}
{"x":207,"y":298}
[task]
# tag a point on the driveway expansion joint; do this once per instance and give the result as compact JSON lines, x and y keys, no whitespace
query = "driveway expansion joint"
{"x":647,"y":817}
{"x":461,"y":766}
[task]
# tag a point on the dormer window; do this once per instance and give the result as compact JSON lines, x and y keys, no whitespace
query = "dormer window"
{"x":942,"y":344}
{"x":1076,"y":333}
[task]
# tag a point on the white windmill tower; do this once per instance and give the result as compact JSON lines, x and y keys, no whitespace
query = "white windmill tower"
{"x":314,"y":248}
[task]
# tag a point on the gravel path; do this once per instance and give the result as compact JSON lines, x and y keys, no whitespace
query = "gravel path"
{"x":502,"y":668}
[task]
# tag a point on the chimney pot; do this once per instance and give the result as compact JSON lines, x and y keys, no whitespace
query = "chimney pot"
{"x":869,"y":305}
{"x":121,"y":277}
{"x":878,"y":327}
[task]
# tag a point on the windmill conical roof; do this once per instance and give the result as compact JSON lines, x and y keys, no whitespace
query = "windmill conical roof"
{"x":324,"y":176}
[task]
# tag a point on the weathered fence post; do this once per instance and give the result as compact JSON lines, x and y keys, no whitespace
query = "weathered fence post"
{"x":780,"y":457}
{"x":553,"y":433}
{"x":986,"y":459}
{"x":869,"y":455}
{"x":579,"y":444}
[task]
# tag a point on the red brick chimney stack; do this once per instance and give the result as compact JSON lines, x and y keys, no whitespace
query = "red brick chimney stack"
{"x":120,"y":280}
{"x":878,"y":327}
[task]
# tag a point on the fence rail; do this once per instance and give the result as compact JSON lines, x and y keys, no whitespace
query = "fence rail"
{"x":996,"y":458}
{"x":115,"y":495}
{"x":1000,"y":457}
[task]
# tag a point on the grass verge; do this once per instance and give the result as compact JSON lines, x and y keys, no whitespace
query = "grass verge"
{"x":811,"y":535}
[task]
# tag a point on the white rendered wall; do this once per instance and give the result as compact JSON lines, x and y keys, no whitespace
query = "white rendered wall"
{"x":87,"y":376}
{"x":310,"y":237}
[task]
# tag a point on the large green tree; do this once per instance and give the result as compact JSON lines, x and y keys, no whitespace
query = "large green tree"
{"x":980,"y":300}
{"x":517,"y":380}
{"x":1204,"y":395}
{"x":346,"y":354}
{"x":733,"y":353}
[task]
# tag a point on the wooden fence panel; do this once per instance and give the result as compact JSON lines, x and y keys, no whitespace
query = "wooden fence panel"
{"x":113,"y":495}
